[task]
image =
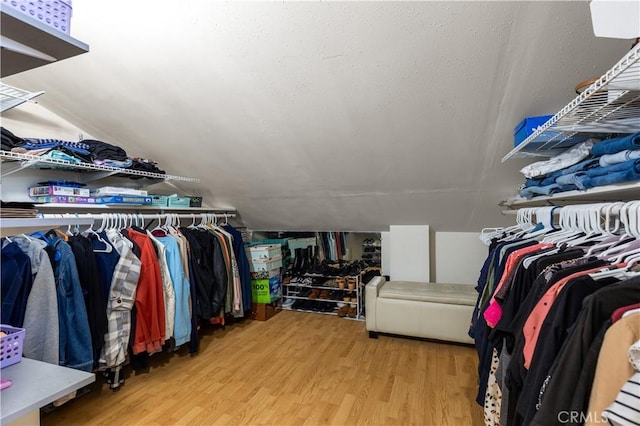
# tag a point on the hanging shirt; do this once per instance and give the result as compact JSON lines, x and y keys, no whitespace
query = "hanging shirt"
{"x":243,"y":266}
{"x":76,"y":349}
{"x":15,"y":285}
{"x":42,"y":331}
{"x":92,"y":290}
{"x":167,"y":287}
{"x":106,"y":259}
{"x":181,"y":287}
{"x":150,"y":319}
{"x":122,"y":296}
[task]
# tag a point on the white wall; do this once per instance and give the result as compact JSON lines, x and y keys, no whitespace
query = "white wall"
{"x":31,"y":120}
{"x":409,"y":250}
{"x":458,"y":257}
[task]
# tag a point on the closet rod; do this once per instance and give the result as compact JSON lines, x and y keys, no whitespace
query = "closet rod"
{"x":99,"y":216}
{"x":614,"y":208}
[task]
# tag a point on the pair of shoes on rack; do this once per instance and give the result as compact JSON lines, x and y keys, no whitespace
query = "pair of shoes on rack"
{"x":288,"y":303}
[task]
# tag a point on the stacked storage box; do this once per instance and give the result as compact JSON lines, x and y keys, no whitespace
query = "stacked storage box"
{"x":266,"y":281}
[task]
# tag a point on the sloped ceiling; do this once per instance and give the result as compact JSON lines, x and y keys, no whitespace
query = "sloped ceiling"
{"x":327,"y":116}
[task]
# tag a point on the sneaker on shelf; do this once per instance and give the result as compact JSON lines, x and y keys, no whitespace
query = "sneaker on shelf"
{"x":288,"y":303}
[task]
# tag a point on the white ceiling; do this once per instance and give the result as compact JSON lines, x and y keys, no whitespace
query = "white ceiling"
{"x":327,"y":116}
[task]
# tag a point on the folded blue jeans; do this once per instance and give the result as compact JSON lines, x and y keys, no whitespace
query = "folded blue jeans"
{"x":620,"y":167}
{"x":576,"y":179}
{"x":628,"y":175}
{"x":611,"y":146}
{"x":554,"y":188}
{"x":551,"y":177}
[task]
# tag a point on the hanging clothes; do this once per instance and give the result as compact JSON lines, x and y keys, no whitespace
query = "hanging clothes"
{"x":181,"y":331}
{"x":210,"y":271}
{"x":122,"y":297}
{"x":16,"y":283}
{"x":42,"y":332}
{"x":542,"y":314}
{"x":106,"y":259}
{"x":150,"y":321}
{"x":76,"y":350}
{"x":243,"y":266}
{"x":167,"y":287}
{"x":93,"y":291}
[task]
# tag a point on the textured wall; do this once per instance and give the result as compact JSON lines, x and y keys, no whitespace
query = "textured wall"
{"x":338,"y":115}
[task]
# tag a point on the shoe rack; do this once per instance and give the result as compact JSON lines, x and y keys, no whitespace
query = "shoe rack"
{"x":372,"y":251}
{"x":324,"y":294}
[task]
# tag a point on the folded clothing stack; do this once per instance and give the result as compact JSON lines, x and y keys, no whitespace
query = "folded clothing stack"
{"x":588,"y":165}
{"x":86,"y":151}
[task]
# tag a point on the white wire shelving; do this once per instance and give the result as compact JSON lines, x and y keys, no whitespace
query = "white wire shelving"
{"x":610,"y":105}
{"x":623,"y":191}
{"x":11,"y":97}
{"x":13,"y":162}
{"x":14,"y":226}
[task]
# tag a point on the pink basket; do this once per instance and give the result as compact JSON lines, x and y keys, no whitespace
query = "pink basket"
{"x":11,"y":345}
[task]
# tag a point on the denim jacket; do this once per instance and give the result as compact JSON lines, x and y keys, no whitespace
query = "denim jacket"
{"x":75,"y":337}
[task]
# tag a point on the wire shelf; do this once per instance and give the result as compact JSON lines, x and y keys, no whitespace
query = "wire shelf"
{"x":34,"y":161}
{"x":11,"y":97}
{"x":610,"y":105}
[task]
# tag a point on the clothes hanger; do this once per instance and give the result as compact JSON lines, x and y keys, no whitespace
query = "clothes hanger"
{"x":159,"y":227}
{"x":627,"y":239}
{"x":610,"y":229}
{"x":193,"y":222}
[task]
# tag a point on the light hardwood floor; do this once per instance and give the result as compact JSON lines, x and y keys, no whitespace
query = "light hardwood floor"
{"x":297,"y":368}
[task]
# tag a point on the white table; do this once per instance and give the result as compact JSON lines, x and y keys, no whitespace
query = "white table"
{"x":36,"y":384}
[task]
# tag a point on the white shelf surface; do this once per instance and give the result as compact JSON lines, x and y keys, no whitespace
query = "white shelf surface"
{"x":36,"y":384}
{"x":28,"y":43}
{"x":107,"y":208}
{"x":14,"y":226}
{"x":610,"y":105}
{"x":628,"y":191}
{"x":11,"y":97}
{"x":27,"y":160}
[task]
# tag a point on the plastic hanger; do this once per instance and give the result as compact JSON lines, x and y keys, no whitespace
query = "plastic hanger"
{"x":159,"y":227}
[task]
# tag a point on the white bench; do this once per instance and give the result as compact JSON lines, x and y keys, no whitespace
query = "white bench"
{"x":426,"y":310}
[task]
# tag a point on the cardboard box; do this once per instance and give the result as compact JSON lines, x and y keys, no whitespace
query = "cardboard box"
{"x":264,"y":252}
{"x":266,"y":290}
{"x":264,"y":268}
{"x":264,"y":311}
{"x":124,"y":199}
{"x":37,"y":191}
{"x":64,"y":199}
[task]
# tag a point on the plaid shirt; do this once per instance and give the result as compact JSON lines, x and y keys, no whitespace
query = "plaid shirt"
{"x":122,"y":297}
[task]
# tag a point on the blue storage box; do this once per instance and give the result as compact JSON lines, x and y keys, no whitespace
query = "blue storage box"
{"x":179,"y":202}
{"x":159,"y":200}
{"x":526,"y":127}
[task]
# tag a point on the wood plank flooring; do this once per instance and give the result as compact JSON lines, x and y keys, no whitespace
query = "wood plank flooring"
{"x":294,"y":369}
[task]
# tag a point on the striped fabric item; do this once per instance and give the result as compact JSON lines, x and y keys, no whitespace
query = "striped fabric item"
{"x":56,"y":142}
{"x":625,"y":410}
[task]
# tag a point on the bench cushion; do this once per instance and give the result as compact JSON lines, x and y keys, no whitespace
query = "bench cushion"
{"x":454,"y":294}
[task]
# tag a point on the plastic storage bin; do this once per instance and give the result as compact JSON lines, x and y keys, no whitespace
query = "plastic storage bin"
{"x":179,"y":202}
{"x":526,"y":127}
{"x":54,"y":13}
{"x":11,"y":345}
{"x":159,"y":200}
